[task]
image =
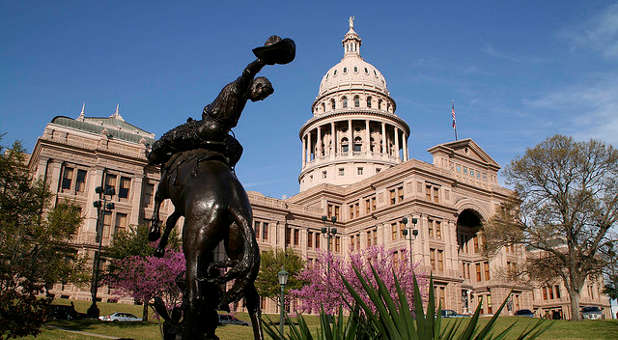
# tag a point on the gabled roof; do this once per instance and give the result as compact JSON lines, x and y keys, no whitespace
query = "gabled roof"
{"x":459,"y":145}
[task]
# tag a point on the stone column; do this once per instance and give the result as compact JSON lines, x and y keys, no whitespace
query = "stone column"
{"x":350,"y":137}
{"x":405,"y":146}
{"x":309,"y":146}
{"x":367,"y":138}
{"x":304,"y":151}
{"x":384,"y":149}
{"x":319,"y":145}
{"x":333,"y":135}
{"x":136,"y":199}
{"x":396,"y":131}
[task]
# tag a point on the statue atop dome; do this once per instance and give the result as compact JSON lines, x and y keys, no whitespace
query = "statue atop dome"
{"x":351,"y":22}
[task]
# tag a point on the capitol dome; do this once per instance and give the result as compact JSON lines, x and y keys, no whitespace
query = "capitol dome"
{"x":354,"y":132}
{"x":353,"y":71}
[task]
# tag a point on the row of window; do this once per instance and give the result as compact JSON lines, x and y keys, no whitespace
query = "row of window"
{"x":356,"y":102}
{"x":74,"y":180}
{"x":261,"y":230}
{"x":471,"y":172}
{"x":469,"y":242}
{"x":480,"y":267}
{"x":549,"y":292}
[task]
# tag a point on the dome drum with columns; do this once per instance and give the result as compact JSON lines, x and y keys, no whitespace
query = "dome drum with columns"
{"x":354,"y":132}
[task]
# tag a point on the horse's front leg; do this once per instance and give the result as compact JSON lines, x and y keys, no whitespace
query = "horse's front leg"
{"x":169,"y":226}
{"x":155,"y":229}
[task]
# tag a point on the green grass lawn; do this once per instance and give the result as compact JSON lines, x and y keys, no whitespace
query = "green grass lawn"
{"x":588,"y":330}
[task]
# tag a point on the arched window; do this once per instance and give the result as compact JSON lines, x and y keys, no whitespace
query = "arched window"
{"x":332,"y":104}
{"x":344,"y":144}
{"x":323,"y":107}
{"x":334,"y":72}
{"x":369,"y":101}
{"x":366,"y":71}
{"x":358,"y":142}
{"x":355,"y":69}
{"x":356,"y":101}
{"x":372,"y":144}
{"x":388,"y":107}
{"x":344,"y":102}
{"x":380,"y":104}
{"x":345,"y":70}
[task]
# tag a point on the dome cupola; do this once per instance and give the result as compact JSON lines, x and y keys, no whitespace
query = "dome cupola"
{"x":354,"y":132}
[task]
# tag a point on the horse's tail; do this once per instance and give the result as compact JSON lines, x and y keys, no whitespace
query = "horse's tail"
{"x":246,"y":270}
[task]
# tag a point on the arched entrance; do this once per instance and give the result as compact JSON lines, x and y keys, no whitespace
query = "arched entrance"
{"x":469,"y":224}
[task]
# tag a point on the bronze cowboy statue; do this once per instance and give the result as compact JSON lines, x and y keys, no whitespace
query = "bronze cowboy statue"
{"x":197,"y":173}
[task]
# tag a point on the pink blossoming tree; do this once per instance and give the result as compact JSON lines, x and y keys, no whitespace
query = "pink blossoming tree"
{"x":146,"y":277}
{"x":325,"y":286}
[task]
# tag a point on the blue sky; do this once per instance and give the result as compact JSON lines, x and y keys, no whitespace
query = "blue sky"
{"x":518,"y":72}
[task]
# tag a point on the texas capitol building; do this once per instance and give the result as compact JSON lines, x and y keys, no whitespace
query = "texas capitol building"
{"x":355,"y":167}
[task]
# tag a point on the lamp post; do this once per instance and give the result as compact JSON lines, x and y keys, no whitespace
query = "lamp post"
{"x":283,"y":280}
{"x":411,"y":235}
{"x":103,"y":205}
{"x":329,"y":231}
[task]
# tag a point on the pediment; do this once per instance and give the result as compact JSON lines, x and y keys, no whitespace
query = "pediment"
{"x":466,"y":148}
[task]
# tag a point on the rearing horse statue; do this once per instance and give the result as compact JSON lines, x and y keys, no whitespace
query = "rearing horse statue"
{"x":197,"y":175}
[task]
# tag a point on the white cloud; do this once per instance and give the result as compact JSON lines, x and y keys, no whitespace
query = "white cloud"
{"x":491,"y":51}
{"x":585,"y":111}
{"x":599,"y":33}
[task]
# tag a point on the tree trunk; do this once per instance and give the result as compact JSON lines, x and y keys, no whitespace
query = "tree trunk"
{"x":574,"y":296}
{"x":145,"y":312}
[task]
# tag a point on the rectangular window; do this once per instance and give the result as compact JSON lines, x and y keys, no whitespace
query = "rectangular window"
{"x":341,"y":171}
{"x":459,"y":168}
{"x":310,"y":239}
{"x":400,"y":193}
{"x":402,"y":227}
{"x":125,"y":185}
{"x":557,"y":291}
{"x":432,"y":258}
{"x":256,"y":227}
{"x":357,"y":209}
{"x":324,"y":174}
{"x":551,"y":292}
{"x":478,"y":272}
{"x":430,"y":228}
{"x":440,"y":261}
{"x":442,"y":296}
{"x":476,"y":244}
{"x":288,"y":236}
{"x":438,"y":230}
{"x":367,"y":206}
{"x":359,"y":171}
{"x":436,"y":195}
{"x":428,"y":192}
{"x":296,"y":237}
{"x":121,"y":223}
{"x":487,"y":276}
{"x":80,"y":182}
{"x":393,"y":231}
{"x":373,"y":203}
{"x":317,"y":240}
{"x":107,"y":225}
{"x":375,"y":237}
{"x":337,"y":244}
{"x":393,"y":199}
{"x":337,"y":212}
{"x":358,"y":241}
{"x":351,"y":211}
{"x":67,"y":178}
{"x":110,"y":181}
{"x":489,"y":306}
{"x":544,"y":293}
{"x":352,"y":243}
{"x":369,"y":238}
{"x":148,"y":193}
{"x":265,"y":231}
{"x":330,"y":211}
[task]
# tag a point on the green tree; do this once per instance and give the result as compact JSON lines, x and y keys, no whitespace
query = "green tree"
{"x":134,"y":242}
{"x":564,"y":210}
{"x":267,"y":282}
{"x":34,"y":249}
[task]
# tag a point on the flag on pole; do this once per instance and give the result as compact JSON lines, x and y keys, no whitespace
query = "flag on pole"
{"x":453,"y":115}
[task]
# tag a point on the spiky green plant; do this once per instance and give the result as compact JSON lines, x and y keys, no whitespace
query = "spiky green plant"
{"x":393,"y":320}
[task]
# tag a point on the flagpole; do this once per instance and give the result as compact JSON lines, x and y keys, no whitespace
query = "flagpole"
{"x":453,"y":118}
